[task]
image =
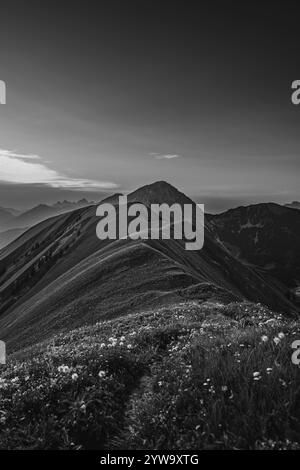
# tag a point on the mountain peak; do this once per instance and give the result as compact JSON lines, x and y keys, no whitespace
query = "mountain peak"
{"x":157,"y":193}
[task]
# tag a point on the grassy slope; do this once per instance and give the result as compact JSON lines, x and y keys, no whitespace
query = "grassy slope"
{"x":113,"y":282}
{"x":85,"y":285}
{"x":178,"y":377}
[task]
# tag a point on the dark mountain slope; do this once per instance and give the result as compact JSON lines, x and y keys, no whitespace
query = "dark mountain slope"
{"x":265,"y":235}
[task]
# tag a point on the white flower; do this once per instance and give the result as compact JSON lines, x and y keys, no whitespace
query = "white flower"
{"x":276,"y":340}
{"x":129,"y":346}
{"x":102,"y":374}
{"x":224,"y":388}
{"x":281,"y":335}
{"x":63,"y":369}
{"x":269,"y":370}
{"x":256,"y":376}
{"x":264,"y":338}
{"x":74,"y":377}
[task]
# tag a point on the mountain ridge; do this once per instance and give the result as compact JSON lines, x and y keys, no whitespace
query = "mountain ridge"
{"x":58,"y":274}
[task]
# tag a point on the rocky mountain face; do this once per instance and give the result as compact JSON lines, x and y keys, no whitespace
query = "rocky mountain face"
{"x":265,"y":236}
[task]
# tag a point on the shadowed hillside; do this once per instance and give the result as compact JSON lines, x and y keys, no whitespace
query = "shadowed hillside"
{"x":264,"y":235}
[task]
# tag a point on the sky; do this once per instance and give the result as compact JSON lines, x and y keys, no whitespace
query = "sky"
{"x":104,"y":97}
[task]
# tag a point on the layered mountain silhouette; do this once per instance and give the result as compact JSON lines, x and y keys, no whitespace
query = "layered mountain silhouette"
{"x":13,"y":223}
{"x":58,"y":275}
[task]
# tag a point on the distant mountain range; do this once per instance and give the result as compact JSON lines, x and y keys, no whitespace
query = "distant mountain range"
{"x":14,"y":222}
{"x":58,"y":275}
{"x":293,"y":205}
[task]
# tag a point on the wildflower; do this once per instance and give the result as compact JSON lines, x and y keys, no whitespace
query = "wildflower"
{"x":63,"y":369}
{"x":269,"y":370}
{"x":129,"y":346}
{"x":256,"y":376}
{"x":264,"y":339}
{"x":281,"y":335}
{"x":74,"y":377}
{"x":102,"y":374}
{"x":224,"y":388}
{"x":276,"y":340}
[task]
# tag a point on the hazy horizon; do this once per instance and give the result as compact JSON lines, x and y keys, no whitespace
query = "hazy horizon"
{"x":213,"y":204}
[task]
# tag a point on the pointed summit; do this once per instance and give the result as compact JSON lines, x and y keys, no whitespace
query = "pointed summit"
{"x":158,"y":193}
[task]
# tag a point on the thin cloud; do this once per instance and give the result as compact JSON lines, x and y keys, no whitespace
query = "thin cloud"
{"x":13,"y":154}
{"x":20,"y":168}
{"x":164,"y":156}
